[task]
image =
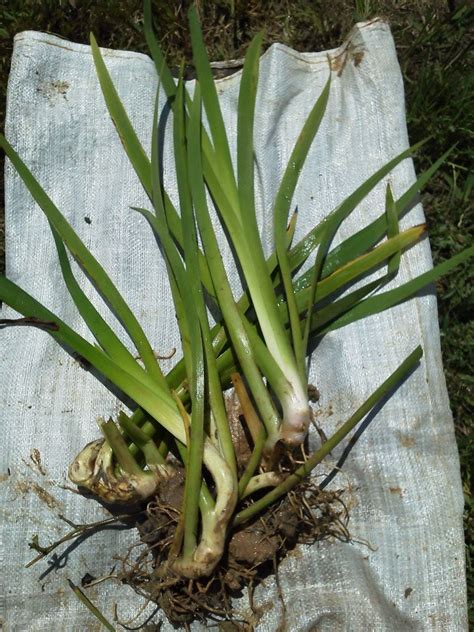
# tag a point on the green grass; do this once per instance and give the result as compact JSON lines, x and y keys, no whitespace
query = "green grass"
{"x":436,"y":55}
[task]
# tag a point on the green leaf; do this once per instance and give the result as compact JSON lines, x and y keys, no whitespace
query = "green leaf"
{"x":330,"y":227}
{"x":213,"y":110}
{"x":297,"y":159}
{"x":115,"y":439}
{"x":102,"y":332}
{"x":135,"y":152}
{"x":245,"y":123}
{"x":303,"y":249}
{"x":368,"y":236}
{"x":89,"y":265}
{"x":145,"y":392}
{"x":140,"y":439}
{"x":90,"y":606}
{"x":127,"y":135}
{"x":196,"y":179}
{"x":328,"y":313}
{"x":281,"y":209}
{"x":191,"y":295}
{"x":386,"y":300}
{"x":162,"y":68}
{"x":393,"y":229}
{"x":356,"y":269}
{"x":231,"y":315}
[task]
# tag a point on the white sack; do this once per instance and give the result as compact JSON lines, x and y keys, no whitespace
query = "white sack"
{"x":406,"y":491}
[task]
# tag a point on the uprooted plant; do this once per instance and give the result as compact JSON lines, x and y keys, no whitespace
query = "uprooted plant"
{"x":180,"y":429}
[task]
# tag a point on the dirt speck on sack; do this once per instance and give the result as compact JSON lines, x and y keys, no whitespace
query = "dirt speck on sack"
{"x":350,"y":52}
{"x":24,"y":487}
{"x":406,"y":440}
{"x":53,"y":90}
{"x":396,"y":490}
{"x":35,"y":457}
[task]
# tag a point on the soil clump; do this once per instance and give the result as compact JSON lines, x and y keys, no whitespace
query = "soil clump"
{"x":255,"y":550}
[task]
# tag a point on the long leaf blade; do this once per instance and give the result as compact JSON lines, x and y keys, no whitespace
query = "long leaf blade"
{"x":158,"y":403}
{"x":101,"y":330}
{"x":89,"y":264}
{"x":245,"y":124}
{"x":305,"y":246}
{"x":368,"y":236}
{"x":281,"y":209}
{"x":393,"y":229}
{"x":297,"y":159}
{"x":131,"y":144}
{"x":232,"y":317}
{"x":359,"y":267}
{"x":91,"y":607}
{"x":162,"y":68}
{"x":386,"y":300}
{"x":213,"y":110}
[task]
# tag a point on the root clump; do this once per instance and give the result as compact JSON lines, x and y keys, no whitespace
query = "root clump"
{"x":305,"y":516}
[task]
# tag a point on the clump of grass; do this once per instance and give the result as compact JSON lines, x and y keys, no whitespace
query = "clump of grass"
{"x":435,"y":58}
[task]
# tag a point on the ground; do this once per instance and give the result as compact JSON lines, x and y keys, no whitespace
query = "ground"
{"x":434,"y":40}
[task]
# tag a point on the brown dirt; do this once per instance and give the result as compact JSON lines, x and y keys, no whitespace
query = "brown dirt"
{"x":24,"y":487}
{"x":254,"y":551}
{"x":35,"y":458}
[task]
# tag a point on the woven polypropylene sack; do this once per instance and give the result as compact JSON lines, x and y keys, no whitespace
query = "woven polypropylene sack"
{"x":404,"y":569}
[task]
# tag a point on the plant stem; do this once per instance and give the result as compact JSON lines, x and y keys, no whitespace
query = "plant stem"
{"x":120,"y":449}
{"x":256,"y":429}
{"x":256,"y":483}
{"x":142,"y":440}
{"x":230,"y":312}
{"x":294,"y":479}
